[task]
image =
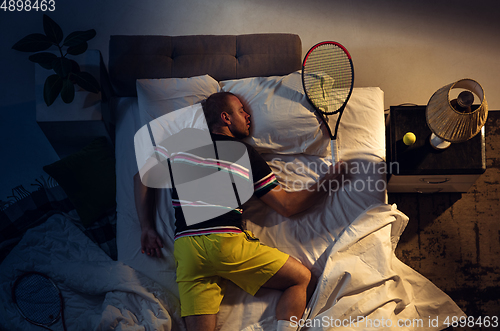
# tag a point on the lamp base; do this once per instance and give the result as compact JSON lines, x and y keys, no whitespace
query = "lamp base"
{"x":438,"y":143}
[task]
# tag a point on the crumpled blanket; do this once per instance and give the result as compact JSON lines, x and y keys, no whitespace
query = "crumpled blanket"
{"x":364,"y":286}
{"x":99,"y":293}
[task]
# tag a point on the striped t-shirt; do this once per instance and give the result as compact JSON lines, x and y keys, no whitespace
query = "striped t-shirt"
{"x":230,"y":219}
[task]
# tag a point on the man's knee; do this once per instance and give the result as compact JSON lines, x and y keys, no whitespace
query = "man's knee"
{"x":302,"y":275}
{"x":305,"y":275}
{"x":292,"y":273}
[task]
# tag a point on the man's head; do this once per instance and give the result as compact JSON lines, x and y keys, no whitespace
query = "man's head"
{"x":225,"y":115}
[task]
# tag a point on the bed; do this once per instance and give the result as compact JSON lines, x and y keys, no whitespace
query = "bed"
{"x":347,"y":239}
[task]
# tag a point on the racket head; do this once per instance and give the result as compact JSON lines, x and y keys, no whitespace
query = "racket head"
{"x":37,"y":298}
{"x":328,"y":77}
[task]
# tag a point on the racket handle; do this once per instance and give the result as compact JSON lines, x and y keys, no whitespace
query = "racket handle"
{"x":335,"y":151}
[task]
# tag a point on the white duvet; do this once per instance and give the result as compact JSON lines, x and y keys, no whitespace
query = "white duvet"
{"x":99,"y":293}
{"x":363,"y":286}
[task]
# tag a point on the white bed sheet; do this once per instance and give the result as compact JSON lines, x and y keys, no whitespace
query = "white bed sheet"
{"x":343,"y":224}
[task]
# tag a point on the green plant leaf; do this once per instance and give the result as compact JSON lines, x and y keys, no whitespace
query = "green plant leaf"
{"x":67,"y":91}
{"x":86,"y":81}
{"x":78,"y":37}
{"x":75,"y":67}
{"x":44,"y":59}
{"x":51,"y":89}
{"x":62,"y":66}
{"x":34,"y":42}
{"x":78,"y":49}
{"x":52,"y":30}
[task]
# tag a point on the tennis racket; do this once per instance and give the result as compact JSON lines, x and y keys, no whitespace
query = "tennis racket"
{"x":38,"y":299}
{"x":328,"y":80}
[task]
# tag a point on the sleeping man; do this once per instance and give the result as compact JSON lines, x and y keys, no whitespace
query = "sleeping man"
{"x":210,"y":252}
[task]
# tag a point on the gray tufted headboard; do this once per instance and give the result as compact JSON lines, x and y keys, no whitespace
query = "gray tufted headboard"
{"x":221,"y":56}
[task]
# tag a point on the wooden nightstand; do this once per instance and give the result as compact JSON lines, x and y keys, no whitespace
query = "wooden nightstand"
{"x":421,"y":168}
{"x":70,"y":127}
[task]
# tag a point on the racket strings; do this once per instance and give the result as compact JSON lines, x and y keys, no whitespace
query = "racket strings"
{"x":38,"y":299}
{"x":328,"y":77}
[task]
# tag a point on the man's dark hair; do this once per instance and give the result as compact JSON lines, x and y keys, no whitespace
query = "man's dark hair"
{"x":213,"y":106}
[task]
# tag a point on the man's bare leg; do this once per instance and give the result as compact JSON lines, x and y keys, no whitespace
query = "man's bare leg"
{"x":297,"y":284}
{"x":201,"y":322}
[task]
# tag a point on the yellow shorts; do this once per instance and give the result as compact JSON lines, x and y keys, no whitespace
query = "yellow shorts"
{"x":204,"y":262}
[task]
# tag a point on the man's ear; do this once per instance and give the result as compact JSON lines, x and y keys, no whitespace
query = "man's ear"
{"x":225,"y":118}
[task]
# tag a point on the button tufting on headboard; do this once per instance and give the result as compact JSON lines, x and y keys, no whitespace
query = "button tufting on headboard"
{"x":221,"y":56}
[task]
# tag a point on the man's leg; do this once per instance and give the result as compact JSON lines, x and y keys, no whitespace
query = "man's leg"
{"x":297,"y":284}
{"x":200,"y":291}
{"x":200,"y":322}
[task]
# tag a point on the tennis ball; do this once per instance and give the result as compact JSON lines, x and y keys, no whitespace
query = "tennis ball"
{"x":409,"y":138}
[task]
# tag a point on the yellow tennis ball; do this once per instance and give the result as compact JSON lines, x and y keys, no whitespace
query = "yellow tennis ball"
{"x":409,"y":138}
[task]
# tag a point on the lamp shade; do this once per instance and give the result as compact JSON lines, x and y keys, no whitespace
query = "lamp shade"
{"x":451,"y":124}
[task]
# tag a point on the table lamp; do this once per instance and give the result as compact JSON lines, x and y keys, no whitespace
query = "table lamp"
{"x":456,"y":120}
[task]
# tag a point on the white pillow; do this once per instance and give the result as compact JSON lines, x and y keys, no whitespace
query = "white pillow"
{"x":157,"y":97}
{"x":283,"y":121}
{"x":362,"y":126}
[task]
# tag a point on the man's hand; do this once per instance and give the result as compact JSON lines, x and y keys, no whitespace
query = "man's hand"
{"x":144,"y":196}
{"x":151,"y":242}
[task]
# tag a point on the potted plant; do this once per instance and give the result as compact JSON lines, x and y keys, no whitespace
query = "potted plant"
{"x":67,"y":71}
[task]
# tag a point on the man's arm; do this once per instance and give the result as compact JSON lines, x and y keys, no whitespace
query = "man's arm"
{"x":291,"y":203}
{"x":144,"y":196}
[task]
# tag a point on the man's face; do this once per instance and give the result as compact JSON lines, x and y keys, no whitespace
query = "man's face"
{"x":240,"y":119}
